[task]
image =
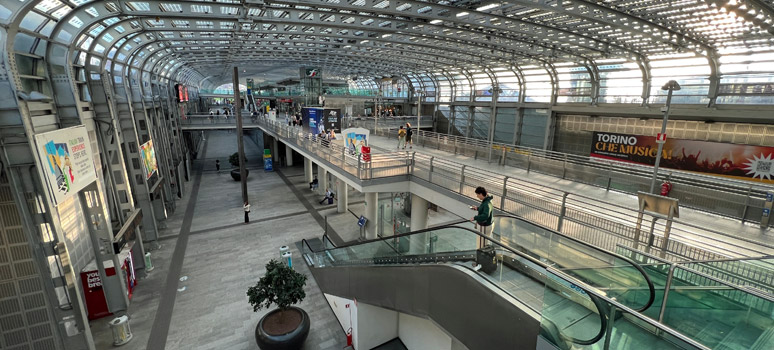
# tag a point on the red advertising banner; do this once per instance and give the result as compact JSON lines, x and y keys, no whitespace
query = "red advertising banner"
{"x":742,"y":162}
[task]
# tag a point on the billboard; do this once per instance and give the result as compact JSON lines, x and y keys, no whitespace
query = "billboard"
{"x":332,"y":119}
{"x":66,"y":160}
{"x":148,"y":155}
{"x":311,"y":118}
{"x":355,"y":139}
{"x":312,"y":72}
{"x":741,"y":162}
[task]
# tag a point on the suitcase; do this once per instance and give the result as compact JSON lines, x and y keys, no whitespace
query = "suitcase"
{"x":330,"y":200}
{"x":487,"y":258}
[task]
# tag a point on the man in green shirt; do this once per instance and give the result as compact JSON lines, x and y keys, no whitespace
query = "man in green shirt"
{"x":484,"y":218}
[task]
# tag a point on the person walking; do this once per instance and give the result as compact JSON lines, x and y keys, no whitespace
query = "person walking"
{"x":211,"y":116}
{"x":246,"y":207}
{"x":409,"y":133}
{"x":484,"y":218}
{"x":217,"y":165}
{"x":401,"y":138}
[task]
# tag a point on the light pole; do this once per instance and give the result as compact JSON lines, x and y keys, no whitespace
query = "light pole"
{"x":670,"y":86}
{"x":419,"y":94}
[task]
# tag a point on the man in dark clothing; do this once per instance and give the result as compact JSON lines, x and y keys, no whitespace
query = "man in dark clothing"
{"x":484,"y":217}
{"x":217,"y":165}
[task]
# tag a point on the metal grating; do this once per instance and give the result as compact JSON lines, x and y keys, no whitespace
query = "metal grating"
{"x":25,"y":319}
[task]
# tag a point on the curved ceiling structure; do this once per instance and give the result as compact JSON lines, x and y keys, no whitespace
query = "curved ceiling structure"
{"x":351,"y":38}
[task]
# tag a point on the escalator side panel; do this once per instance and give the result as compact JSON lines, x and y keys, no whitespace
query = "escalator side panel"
{"x":472,"y":312}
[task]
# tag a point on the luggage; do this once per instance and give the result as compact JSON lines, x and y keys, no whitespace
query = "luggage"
{"x":487,"y":258}
{"x":330,"y":200}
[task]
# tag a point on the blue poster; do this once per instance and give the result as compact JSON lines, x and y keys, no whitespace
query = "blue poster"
{"x":267,"y":165}
{"x":312,"y":118}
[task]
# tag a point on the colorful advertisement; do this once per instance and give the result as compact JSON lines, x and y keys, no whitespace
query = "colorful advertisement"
{"x":67,"y":161}
{"x":148,"y":155}
{"x":313,"y":72}
{"x":355,"y":139}
{"x":741,"y":162}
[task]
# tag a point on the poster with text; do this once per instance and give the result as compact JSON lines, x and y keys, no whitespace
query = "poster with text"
{"x":66,"y":160}
{"x":332,"y":119}
{"x":311,"y":117}
{"x":742,"y":162}
{"x":148,"y":155}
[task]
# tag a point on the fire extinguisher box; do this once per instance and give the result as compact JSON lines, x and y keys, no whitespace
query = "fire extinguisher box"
{"x":93,"y":290}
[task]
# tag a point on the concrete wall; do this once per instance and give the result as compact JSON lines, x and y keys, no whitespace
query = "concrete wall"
{"x":419,"y":333}
{"x":375,"y":326}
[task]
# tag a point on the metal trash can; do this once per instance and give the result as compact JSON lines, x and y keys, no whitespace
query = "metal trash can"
{"x":148,"y":263}
{"x":121,"y":332}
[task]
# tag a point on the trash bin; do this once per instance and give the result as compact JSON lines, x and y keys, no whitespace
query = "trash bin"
{"x":148,"y":263}
{"x":121,"y":332}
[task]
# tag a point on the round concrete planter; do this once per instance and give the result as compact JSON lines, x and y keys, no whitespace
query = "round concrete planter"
{"x":288,"y":341}
{"x":236,"y":176}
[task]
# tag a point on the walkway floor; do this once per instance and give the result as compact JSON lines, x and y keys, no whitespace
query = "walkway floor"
{"x":733,"y":237}
{"x":195,"y":297}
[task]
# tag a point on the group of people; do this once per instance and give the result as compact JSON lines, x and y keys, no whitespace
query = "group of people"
{"x":294,"y":120}
{"x":216,"y":114}
{"x":405,"y":137}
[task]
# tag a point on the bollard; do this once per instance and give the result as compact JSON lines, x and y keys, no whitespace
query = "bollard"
{"x":288,"y":256}
{"x":148,"y":263}
{"x":121,"y":332}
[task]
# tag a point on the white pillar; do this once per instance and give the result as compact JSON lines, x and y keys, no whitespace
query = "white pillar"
{"x":275,"y":150}
{"x":322,"y":177}
{"x":308,"y":170}
{"x":418,"y":213}
{"x":341,"y":193}
{"x":288,"y":155}
{"x":372,"y":214}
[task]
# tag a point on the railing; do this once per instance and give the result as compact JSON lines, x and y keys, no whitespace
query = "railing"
{"x":731,"y":198}
{"x":574,"y":315}
{"x":588,"y":219}
{"x":395,"y":122}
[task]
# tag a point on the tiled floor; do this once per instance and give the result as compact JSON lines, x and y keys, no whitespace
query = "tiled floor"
{"x":222,"y":258}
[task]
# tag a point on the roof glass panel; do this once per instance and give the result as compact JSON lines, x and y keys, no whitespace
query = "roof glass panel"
{"x":48,"y":5}
{"x":75,"y":22}
{"x":92,"y":12}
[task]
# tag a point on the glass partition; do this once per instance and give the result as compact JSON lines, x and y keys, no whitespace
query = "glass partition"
{"x":613,"y":274}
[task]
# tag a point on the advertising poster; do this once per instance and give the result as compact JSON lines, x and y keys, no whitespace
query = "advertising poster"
{"x":312,"y":118}
{"x":148,"y":155}
{"x":741,"y":162}
{"x":332,"y":119}
{"x":355,"y":139}
{"x":67,"y":161}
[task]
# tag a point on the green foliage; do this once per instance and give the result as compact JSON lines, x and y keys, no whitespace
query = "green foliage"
{"x":280,"y":285}
{"x":234,"y":159}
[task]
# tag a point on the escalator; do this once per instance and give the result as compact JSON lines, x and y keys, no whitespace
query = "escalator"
{"x":534,"y":298}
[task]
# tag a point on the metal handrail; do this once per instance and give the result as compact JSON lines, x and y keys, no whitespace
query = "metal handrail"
{"x":595,"y":299}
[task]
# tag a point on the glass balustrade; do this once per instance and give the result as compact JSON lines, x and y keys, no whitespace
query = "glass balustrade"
{"x":613,"y":274}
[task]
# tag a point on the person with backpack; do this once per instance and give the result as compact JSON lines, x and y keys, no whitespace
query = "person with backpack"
{"x":409,"y":133}
{"x":401,"y":138}
{"x":328,"y":196}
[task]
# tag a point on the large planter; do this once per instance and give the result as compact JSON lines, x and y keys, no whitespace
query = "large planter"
{"x":237,"y":176}
{"x":270,"y":335}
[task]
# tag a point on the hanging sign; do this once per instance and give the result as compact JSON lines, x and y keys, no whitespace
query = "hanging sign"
{"x":67,"y":161}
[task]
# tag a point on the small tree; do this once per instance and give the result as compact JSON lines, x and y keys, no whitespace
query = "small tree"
{"x":234,"y":159}
{"x":281,"y":286}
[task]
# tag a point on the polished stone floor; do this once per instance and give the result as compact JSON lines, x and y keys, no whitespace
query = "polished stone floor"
{"x":195,"y":297}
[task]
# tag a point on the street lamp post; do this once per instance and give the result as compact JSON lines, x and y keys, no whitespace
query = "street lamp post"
{"x":670,"y":86}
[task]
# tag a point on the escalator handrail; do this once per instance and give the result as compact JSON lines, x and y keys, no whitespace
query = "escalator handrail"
{"x":639,"y":268}
{"x":577,"y":283}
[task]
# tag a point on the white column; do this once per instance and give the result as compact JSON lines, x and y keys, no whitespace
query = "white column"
{"x":275,"y":150}
{"x":322,"y":177}
{"x":288,"y":155}
{"x":372,"y":214}
{"x":308,"y":170}
{"x":342,"y":196}
{"x":418,"y":213}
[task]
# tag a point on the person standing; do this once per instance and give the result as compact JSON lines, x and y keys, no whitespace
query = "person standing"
{"x":409,"y":133}
{"x":401,"y":138}
{"x":484,"y":218}
{"x":246,"y":207}
{"x":217,"y":165}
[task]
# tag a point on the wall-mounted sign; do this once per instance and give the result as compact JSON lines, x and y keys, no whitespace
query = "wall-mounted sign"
{"x":148,"y":155}
{"x":313,"y":72}
{"x":742,"y":162}
{"x":67,"y":161}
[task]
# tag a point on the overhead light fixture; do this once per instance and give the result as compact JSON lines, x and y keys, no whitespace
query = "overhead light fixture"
{"x":487,"y":7}
{"x":462,"y":14}
{"x":436,"y":21}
